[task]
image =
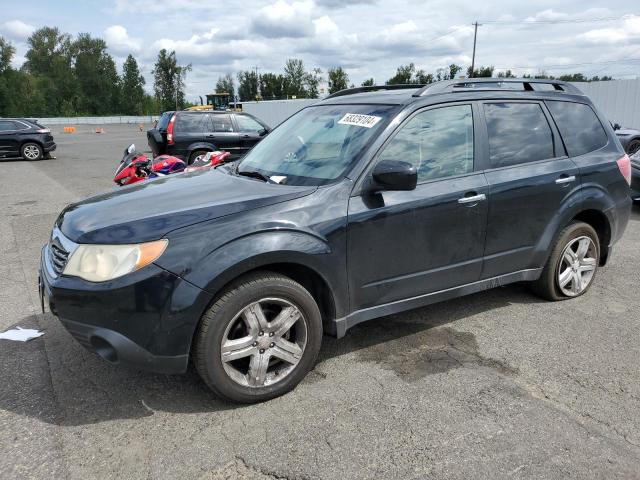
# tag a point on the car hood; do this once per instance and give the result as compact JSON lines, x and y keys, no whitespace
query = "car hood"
{"x":149,"y":210}
{"x":627,"y":131}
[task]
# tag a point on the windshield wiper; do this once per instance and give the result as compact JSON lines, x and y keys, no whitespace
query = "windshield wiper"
{"x":253,"y":174}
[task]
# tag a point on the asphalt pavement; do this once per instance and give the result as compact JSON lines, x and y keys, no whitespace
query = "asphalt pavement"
{"x":495,"y":385}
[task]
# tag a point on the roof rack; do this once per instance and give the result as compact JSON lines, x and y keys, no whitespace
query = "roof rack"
{"x":469,"y":84}
{"x":373,"y":88}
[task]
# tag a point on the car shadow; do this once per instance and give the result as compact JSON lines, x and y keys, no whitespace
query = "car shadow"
{"x":84,"y":389}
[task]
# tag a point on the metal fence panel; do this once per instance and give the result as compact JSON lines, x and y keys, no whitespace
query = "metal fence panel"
{"x":122,"y":119}
{"x":619,"y":100}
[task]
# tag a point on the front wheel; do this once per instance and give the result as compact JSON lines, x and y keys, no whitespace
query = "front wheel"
{"x":31,"y":151}
{"x":259,"y":339}
{"x":572,"y":265}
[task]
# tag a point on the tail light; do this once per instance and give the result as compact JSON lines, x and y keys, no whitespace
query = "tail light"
{"x":624,"y":164}
{"x":170,"y":130}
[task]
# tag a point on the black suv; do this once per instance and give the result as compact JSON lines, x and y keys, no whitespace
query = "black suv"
{"x":374,"y":201}
{"x":24,"y":138}
{"x":190,"y":135}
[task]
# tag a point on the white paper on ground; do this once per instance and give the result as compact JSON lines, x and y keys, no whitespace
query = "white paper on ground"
{"x":20,"y":334}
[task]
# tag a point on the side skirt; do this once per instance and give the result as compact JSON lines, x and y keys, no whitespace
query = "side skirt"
{"x":341,"y":325}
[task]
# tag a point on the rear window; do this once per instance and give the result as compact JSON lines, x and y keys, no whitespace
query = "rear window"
{"x":219,"y":122}
{"x":189,"y":123}
{"x":163,"y":123}
{"x":579,"y":126}
{"x":518,"y":133}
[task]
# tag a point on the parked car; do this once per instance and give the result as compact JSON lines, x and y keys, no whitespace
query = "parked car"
{"x":191,"y":134}
{"x":20,"y":137}
{"x":374,"y":201}
{"x":629,"y":138}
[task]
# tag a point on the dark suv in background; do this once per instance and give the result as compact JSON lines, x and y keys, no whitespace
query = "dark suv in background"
{"x":24,"y":138}
{"x":374,"y":201}
{"x":189,"y":135}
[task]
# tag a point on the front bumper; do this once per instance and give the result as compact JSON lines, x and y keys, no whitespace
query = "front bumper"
{"x":50,"y":147}
{"x":144,"y":320}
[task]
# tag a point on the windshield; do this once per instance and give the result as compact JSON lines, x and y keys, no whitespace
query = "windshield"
{"x":317,"y":145}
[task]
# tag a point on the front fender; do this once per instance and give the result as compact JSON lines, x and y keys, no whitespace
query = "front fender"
{"x":279,"y":246}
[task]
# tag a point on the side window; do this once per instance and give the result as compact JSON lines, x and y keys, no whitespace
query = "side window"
{"x":518,"y":133}
{"x":220,"y":123}
{"x":248,"y":124}
{"x":438,"y":142}
{"x":579,"y":126}
{"x":189,"y":123}
{"x":6,"y":126}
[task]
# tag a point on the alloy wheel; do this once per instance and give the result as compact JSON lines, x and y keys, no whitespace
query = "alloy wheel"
{"x":264,"y":342}
{"x":32,"y":152}
{"x":577,"y":266}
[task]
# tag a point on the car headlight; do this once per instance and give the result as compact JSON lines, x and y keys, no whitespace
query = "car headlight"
{"x":99,"y":263}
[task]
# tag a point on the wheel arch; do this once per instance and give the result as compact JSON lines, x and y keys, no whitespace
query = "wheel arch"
{"x":600,"y":223}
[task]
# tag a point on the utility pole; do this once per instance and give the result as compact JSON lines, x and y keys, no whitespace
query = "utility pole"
{"x":473,"y":57}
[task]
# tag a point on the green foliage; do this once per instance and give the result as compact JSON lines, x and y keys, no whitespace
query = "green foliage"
{"x":481,"y":72}
{"x":338,"y":79}
{"x":368,"y":83}
{"x":408,"y":75}
{"x":225,"y":85}
{"x":248,"y":85}
{"x":272,"y":86}
{"x":169,"y":81}
{"x":131,"y":88}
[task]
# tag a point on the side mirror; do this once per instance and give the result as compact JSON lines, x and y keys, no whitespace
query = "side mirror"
{"x":130,"y":149}
{"x":394,"y":175}
{"x":616,"y":126}
{"x":263,"y":132}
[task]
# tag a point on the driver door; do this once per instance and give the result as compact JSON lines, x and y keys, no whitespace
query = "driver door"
{"x":403,"y":244}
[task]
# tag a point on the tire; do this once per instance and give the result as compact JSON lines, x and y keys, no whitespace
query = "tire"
{"x":633,"y":147}
{"x":196,"y":154}
{"x":31,"y":151}
{"x":229,"y":319}
{"x":549,"y":285}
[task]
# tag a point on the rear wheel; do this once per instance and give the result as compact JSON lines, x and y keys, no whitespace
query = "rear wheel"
{"x":572,"y":265}
{"x":31,"y":151}
{"x":197,"y":155}
{"x":633,"y":147}
{"x":259,"y":339}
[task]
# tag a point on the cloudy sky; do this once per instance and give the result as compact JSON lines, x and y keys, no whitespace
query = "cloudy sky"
{"x":369,"y":38}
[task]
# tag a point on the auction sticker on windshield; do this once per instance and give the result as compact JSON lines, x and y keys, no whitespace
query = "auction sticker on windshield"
{"x":359,"y":120}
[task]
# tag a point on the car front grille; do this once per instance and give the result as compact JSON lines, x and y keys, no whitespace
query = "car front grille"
{"x":58,"y":256}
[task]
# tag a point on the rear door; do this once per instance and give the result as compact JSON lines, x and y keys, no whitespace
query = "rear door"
{"x":9,"y":142}
{"x":529,"y":176}
{"x":187,"y":131}
{"x":221,"y":134}
{"x":251,"y":131}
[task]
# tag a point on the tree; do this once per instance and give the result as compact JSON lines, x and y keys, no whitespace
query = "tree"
{"x":247,"y":85}
{"x":453,"y":71}
{"x":506,"y":74}
{"x":225,"y":84}
{"x":168,"y":81}
{"x":408,"y":75}
{"x":6,"y":54}
{"x":480,"y":72}
{"x":368,"y":83}
{"x":312,"y":81}
{"x":272,"y":86}
{"x":294,"y":78}
{"x":338,"y":79}
{"x":132,"y":95}
{"x":97,"y":78}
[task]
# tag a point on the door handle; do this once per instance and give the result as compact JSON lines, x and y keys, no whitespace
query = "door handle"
{"x":473,"y":199}
{"x":245,"y":136}
{"x":563,"y":180}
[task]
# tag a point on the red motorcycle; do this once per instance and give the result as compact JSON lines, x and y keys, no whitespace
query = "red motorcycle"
{"x":136,"y":167}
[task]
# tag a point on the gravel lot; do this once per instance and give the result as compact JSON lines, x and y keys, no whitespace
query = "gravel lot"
{"x":494,"y":385}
